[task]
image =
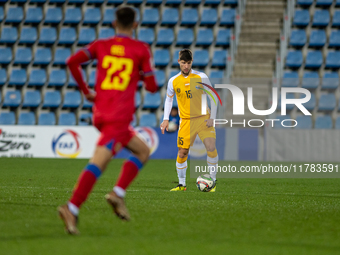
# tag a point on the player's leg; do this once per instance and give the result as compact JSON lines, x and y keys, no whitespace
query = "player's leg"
{"x":212,"y":157}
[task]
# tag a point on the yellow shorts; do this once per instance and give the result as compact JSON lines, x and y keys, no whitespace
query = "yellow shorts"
{"x":190,"y":128}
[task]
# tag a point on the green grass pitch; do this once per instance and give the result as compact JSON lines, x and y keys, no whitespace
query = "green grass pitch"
{"x":244,"y":216}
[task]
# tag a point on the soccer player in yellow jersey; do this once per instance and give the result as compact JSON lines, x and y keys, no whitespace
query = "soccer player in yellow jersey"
{"x":193,"y":122}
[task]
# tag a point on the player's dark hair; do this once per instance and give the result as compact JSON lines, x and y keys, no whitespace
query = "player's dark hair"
{"x":125,"y":16}
{"x":185,"y":55}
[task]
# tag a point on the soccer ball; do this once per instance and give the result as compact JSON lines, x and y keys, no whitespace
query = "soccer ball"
{"x":205,"y":183}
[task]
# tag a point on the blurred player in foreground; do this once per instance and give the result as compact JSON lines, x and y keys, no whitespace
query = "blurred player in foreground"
{"x":121,"y":62}
{"x":193,"y":122}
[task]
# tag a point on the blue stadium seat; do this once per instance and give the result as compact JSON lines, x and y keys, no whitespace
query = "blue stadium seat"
{"x":96,"y":1}
{"x":311,"y":104}
{"x":76,"y":1}
{"x":333,"y":59}
{"x":189,"y":17}
{"x":327,"y":102}
{"x":85,"y":119}
{"x":17,"y":77}
{"x":330,"y":80}
{"x":228,"y":17}
{"x":155,"y":2}
{"x":305,"y":2}
{"x":57,"y":78}
{"x":86,"y":35}
{"x":146,"y":35}
{"x":160,"y":77}
{"x":43,"y":56}
{"x":337,"y":3}
{"x":324,"y":2}
{"x":67,"y":119}
{"x":324,"y":122}
{"x":34,"y":15}
{"x":304,"y":122}
{"x":138,"y":99}
{"x":314,"y":59}
{"x":72,"y":99}
{"x":61,"y":55}
{"x":9,"y":35}
{"x":209,"y":17}
{"x":3,"y":78}
{"x":53,"y":15}
{"x":214,"y":75}
{"x":148,"y":120}
{"x":87,"y":104}
{"x":92,"y":78}
{"x":161,"y":57}
{"x":212,"y":2}
{"x":72,"y":82}
{"x":298,"y":38}
{"x":150,"y":16}
{"x":109,"y":16}
{"x":219,"y":58}
{"x":185,"y":37}
{"x":170,"y":17}
{"x":12,"y":98}
{"x":230,"y":2}
{"x":205,"y":37}
{"x":152,"y":101}
{"x":165,"y":36}
{"x":46,"y":119}
{"x":336,"y":18}
{"x":310,"y":80}
{"x":57,"y":1}
{"x":1,"y":13}
{"x":37,"y":78}
{"x":175,"y":59}
{"x":67,"y":35}
{"x":5,"y":55}
{"x":72,"y":16}
{"x":14,"y":15}
{"x":26,"y":118}
{"x":32,"y":98}
{"x":23,"y":56}
{"x":290,"y":79}
{"x":106,"y":33}
{"x":192,"y":2}
{"x":7,"y":118}
{"x":134,"y":121}
{"x":321,"y":18}
{"x":173,"y":72}
{"x":201,"y":58}
{"x":134,"y":1}
{"x":52,"y":99}
{"x":334,"y":39}
{"x":317,"y":38}
{"x":301,"y":18}
{"x":28,"y":35}
{"x":137,"y":14}
{"x":223,"y":37}
{"x":48,"y":35}
{"x":294,"y":59}
{"x":92,"y":16}
{"x":174,"y":2}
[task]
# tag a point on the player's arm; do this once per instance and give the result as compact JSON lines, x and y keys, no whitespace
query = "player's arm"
{"x":213,"y":110}
{"x":148,"y":74}
{"x":170,"y":93}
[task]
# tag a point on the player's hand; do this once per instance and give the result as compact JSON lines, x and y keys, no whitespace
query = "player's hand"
{"x":210,"y":122}
{"x":91,"y":96}
{"x":164,"y":126}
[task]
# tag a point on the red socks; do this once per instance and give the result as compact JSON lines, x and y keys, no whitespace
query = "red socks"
{"x":129,"y":172}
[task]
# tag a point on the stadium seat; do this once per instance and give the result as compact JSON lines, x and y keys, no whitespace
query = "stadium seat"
{"x":148,"y":120}
{"x":14,"y":15}
{"x":155,"y":2}
{"x":294,"y":59}
{"x":290,"y":79}
{"x":53,"y":15}
{"x":58,"y":1}
{"x":72,"y":99}
{"x":23,"y":56}
{"x":209,"y":17}
{"x":334,"y":39}
{"x":230,"y":2}
{"x":185,"y":37}
{"x":327,"y":102}
{"x":336,"y":18}
{"x":96,"y":1}
{"x":9,"y":35}
{"x":321,"y":18}
{"x":17,"y":77}
{"x":92,"y":16}
{"x":87,"y":104}
{"x":189,"y":17}
{"x":174,"y":72}
{"x":3,"y":78}
{"x":34,"y":15}
{"x":86,"y":35}
{"x":160,"y":77}
{"x":337,"y":3}
{"x":330,"y":80}
{"x":228,"y":17}
{"x":324,"y":2}
{"x":92,"y":78}
{"x":170,"y":17}
{"x":152,"y":101}
{"x":76,"y":1}
{"x":67,"y":119}
{"x":72,"y":16}
{"x":72,"y":82}
{"x":67,"y":35}
{"x":52,"y":99}
{"x":106,"y":33}
{"x":109,"y":16}
{"x":5,"y":55}
{"x":26,"y":118}
{"x":219,"y":58}
{"x":223,"y":37}
{"x":311,"y":104}
{"x":46,"y":119}
{"x":175,"y":59}
{"x":1,"y":13}
{"x":212,"y":2}
{"x":304,"y":122}
{"x":298,"y":38}
{"x":57,"y":78}
{"x":134,"y":1}
{"x":173,"y":2}
{"x":28,"y":35}
{"x":301,"y":18}
{"x":310,"y":80}
{"x":7,"y":118}
{"x":205,"y":37}
{"x":216,"y":75}
{"x":161,"y":57}
{"x":324,"y":122}
{"x":150,"y":16}
{"x":317,"y":38}
{"x":48,"y":35}
{"x":165,"y":36}
{"x":12,"y":98}
{"x":37,"y":78}
{"x":314,"y":59}
{"x":61,"y":55}
{"x":192,"y":2}
{"x":305,"y":2}
{"x":333,"y":59}
{"x":32,"y":98}
{"x":85,"y":119}
{"x":201,"y":58}
{"x":43,"y":56}
{"x":146,"y":35}
{"x":137,"y":15}
{"x":138,"y":99}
